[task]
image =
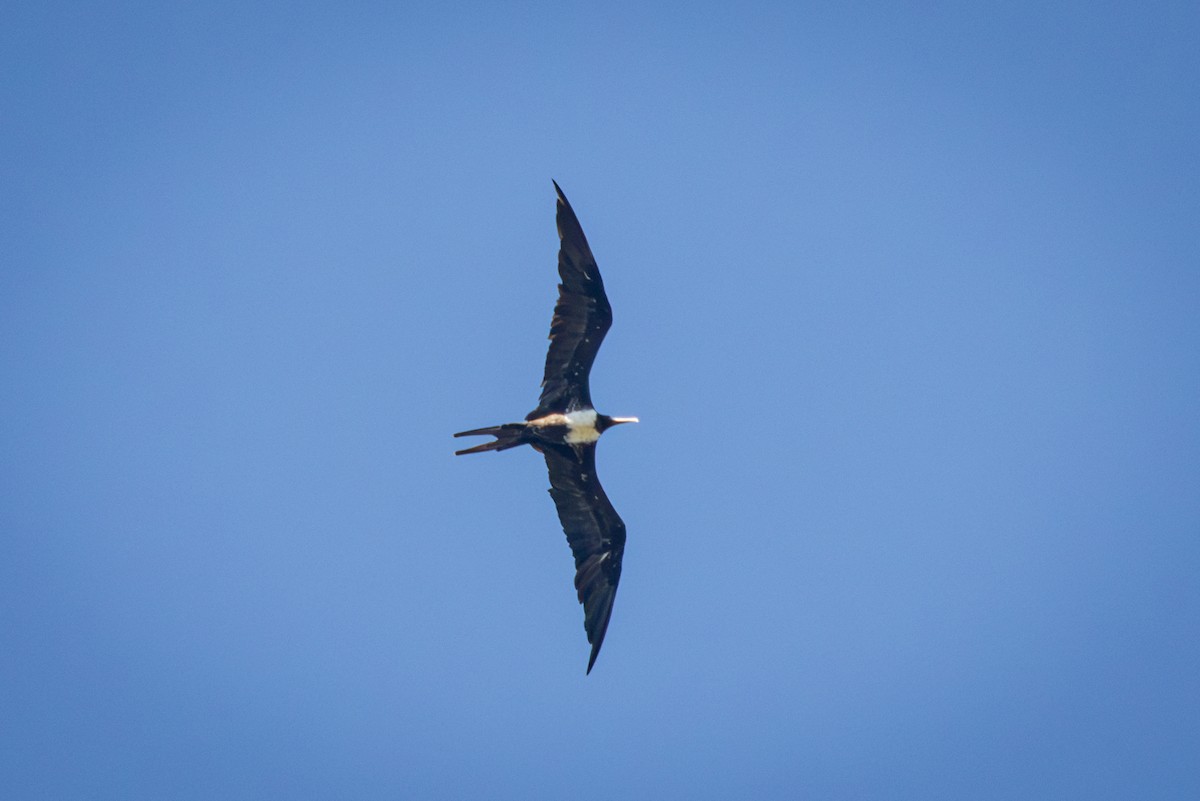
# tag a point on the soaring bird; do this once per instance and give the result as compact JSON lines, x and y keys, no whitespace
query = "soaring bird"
{"x":565,"y":428}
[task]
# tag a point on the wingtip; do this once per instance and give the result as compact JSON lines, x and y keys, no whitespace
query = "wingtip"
{"x":592,"y":661}
{"x":558,"y":190}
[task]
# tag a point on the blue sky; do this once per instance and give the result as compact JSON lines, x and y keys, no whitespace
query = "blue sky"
{"x":907,"y":298}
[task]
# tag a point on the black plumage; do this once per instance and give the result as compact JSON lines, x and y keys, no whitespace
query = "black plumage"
{"x":595,"y":533}
{"x":582,"y":317}
{"x":565,"y":428}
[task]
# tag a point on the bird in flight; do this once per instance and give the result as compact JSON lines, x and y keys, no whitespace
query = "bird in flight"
{"x":565,"y":427}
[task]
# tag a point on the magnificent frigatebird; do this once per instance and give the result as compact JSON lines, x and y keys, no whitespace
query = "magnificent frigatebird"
{"x":565,"y":428}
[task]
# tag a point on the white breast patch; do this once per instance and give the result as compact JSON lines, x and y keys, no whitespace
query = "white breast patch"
{"x":581,"y":427}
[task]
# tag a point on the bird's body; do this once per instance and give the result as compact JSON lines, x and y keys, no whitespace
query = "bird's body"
{"x":565,"y":428}
{"x":579,"y":428}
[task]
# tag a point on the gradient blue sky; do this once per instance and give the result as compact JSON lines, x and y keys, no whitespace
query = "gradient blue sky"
{"x":907,"y":298}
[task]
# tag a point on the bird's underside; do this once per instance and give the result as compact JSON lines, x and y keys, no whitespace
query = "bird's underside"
{"x":565,"y":429}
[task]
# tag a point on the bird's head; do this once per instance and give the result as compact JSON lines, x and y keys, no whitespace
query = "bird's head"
{"x":604,"y":421}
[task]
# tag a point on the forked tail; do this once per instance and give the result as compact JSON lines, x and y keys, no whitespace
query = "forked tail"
{"x":508,"y":435}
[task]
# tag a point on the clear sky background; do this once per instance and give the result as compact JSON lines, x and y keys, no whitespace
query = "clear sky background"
{"x":907,"y":298}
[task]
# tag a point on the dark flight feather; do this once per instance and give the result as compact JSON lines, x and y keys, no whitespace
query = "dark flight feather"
{"x":594,"y":531}
{"x":582,"y":317}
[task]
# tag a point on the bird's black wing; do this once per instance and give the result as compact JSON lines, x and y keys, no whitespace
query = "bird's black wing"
{"x":582,"y":317}
{"x":594,"y":531}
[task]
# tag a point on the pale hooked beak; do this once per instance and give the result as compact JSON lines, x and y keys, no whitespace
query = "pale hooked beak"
{"x":624,"y":420}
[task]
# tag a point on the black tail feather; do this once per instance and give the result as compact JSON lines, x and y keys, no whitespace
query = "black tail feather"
{"x":508,"y":435}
